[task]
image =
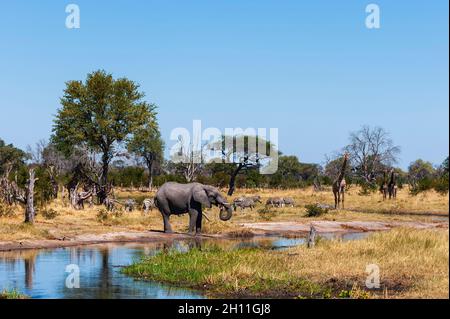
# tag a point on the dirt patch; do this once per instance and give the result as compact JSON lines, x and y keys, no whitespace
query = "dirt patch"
{"x":285,"y":229}
{"x":290,"y":228}
{"x":90,"y":239}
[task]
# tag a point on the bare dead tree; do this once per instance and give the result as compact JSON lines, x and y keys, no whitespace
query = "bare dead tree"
{"x":52,"y":175}
{"x":371,"y":151}
{"x":317,"y":185}
{"x":77,"y":199}
{"x":10,"y":192}
{"x":36,"y":154}
{"x":29,"y":208}
{"x":189,"y":161}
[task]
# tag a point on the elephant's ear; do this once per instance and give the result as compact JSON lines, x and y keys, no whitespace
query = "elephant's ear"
{"x":201,"y":197}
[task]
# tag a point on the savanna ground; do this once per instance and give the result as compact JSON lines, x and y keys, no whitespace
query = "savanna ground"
{"x":413,"y":263}
{"x":426,"y":207}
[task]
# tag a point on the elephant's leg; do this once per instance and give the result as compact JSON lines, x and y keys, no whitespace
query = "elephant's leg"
{"x":167,"y":226}
{"x":198,"y":225}
{"x":193,"y":216}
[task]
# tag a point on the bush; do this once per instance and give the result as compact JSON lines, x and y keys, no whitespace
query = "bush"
{"x":441,"y":186}
{"x":421,"y":186}
{"x":314,"y":210}
{"x":367,"y":188}
{"x":49,"y":214}
{"x":6,"y":210}
{"x":102,"y":215}
{"x":266,"y":213}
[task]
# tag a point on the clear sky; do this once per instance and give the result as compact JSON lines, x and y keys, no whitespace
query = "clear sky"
{"x":310,"y":68}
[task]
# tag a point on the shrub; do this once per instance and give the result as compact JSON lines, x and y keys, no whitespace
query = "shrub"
{"x":266,"y":213}
{"x":49,"y":214}
{"x":421,"y":186}
{"x":441,"y":185}
{"x":6,"y":210}
{"x":102,"y":215}
{"x":314,"y":210}
{"x":367,"y":188}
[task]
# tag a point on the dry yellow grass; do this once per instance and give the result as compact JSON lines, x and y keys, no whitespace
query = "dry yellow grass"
{"x":70,"y":223}
{"x":412,"y":264}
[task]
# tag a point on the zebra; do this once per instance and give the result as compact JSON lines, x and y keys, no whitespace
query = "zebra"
{"x":129,"y":205}
{"x":245,"y":202}
{"x":289,"y":201}
{"x":148,"y":204}
{"x":275,"y":202}
{"x":109,"y":204}
{"x":256,"y":198}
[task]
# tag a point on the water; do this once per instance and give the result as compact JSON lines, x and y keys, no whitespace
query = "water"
{"x":42,"y":273}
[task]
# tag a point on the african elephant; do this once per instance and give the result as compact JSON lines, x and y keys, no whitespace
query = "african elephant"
{"x":176,"y":198}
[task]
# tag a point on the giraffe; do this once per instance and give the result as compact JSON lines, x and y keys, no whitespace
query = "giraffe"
{"x":384,"y":186}
{"x":339,"y":185}
{"x":392,"y":186}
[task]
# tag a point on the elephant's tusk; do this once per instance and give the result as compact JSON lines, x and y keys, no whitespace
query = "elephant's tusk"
{"x":206,"y":216}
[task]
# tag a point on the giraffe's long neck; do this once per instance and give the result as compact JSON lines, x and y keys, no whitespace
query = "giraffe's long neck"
{"x":342,"y":172}
{"x":392,"y":178}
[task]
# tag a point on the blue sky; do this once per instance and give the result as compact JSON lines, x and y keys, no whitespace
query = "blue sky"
{"x":310,"y":68}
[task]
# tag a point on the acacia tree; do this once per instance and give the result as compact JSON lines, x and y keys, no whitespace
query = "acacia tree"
{"x":245,"y":153}
{"x":98,"y":115}
{"x":148,"y":144}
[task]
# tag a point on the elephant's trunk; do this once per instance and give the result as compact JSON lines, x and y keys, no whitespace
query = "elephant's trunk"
{"x":226,"y":211}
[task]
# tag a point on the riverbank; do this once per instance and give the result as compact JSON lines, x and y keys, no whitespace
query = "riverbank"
{"x":284,"y":229}
{"x":69,"y":227}
{"x":412,"y":263}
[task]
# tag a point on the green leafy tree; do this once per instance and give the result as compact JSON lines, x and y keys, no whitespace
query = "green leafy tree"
{"x":98,"y":115}
{"x":292,"y":173}
{"x":148,"y":144}
{"x":421,"y":175}
{"x":11,"y":156}
{"x":442,"y":180}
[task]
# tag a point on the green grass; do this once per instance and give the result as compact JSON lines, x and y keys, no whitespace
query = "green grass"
{"x":413,"y":264}
{"x":11,"y":294}
{"x":224,"y":272}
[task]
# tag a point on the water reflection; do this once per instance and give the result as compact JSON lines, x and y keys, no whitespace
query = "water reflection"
{"x":42,"y":273}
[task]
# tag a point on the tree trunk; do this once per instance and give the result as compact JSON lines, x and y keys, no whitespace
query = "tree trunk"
{"x":103,"y":192}
{"x":233,"y":180}
{"x":150,"y":174}
{"x":311,"y":237}
{"x":29,"y":210}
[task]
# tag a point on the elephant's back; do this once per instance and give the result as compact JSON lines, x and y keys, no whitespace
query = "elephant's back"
{"x":175,"y":195}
